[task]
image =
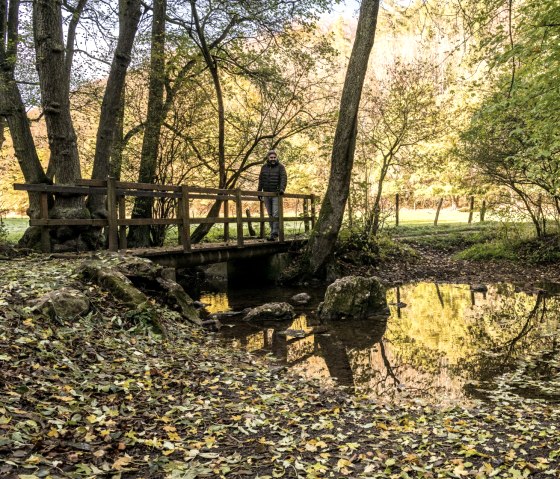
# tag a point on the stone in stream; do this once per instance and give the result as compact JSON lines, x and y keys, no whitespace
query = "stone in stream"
{"x":271,"y":311}
{"x":301,"y":298}
{"x":353,"y":297}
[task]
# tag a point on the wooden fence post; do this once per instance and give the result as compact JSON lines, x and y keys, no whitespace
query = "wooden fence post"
{"x":239,"y":217}
{"x":45,"y":233}
{"x":313,"y":219}
{"x":440,"y":203}
{"x":306,"y":214}
{"x":471,"y":209}
{"x":483,"y":211}
{"x":185,"y":226}
{"x":261,"y":221}
{"x":226,"y":224}
{"x":280,"y":217}
{"x":396,"y":209}
{"x":112,"y":214}
{"x":122,"y":229}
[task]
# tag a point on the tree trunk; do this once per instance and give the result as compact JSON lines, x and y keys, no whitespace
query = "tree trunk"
{"x":55,"y":94}
{"x":12,"y":109}
{"x":139,"y":236}
{"x":115,"y":162}
{"x":129,"y":16}
{"x":322,"y":242}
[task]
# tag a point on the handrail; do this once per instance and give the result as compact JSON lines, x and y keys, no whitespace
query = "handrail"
{"x":117,"y":222}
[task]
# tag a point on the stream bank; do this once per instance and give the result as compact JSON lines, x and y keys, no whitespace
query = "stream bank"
{"x":103,"y":395}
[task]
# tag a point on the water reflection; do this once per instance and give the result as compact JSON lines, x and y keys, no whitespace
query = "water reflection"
{"x":447,"y":342}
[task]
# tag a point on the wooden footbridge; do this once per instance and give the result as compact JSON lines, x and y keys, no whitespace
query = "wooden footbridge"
{"x":183,"y":201}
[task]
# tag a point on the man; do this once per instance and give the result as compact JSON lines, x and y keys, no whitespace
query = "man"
{"x":272,"y":178}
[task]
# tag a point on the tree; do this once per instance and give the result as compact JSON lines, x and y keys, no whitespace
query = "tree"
{"x":399,"y":117}
{"x":111,"y":108}
{"x":323,"y":238}
{"x":12,"y":107}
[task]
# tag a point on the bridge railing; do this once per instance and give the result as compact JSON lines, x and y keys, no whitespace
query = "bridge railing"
{"x":117,"y":219}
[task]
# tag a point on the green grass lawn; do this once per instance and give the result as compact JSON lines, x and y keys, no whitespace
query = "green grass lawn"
{"x":15,"y":227}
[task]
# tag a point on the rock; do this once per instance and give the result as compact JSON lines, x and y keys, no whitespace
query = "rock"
{"x":354,"y":297}
{"x":293,"y":333}
{"x":301,"y":298}
{"x":176,"y":294}
{"x":271,"y":311}
{"x":65,"y":304}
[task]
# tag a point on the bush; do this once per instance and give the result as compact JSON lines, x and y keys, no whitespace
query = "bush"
{"x":541,"y":250}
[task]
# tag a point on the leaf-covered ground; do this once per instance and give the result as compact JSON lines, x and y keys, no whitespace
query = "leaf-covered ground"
{"x":102,"y":396}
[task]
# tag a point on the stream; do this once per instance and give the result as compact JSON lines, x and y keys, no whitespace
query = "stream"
{"x":442,"y":342}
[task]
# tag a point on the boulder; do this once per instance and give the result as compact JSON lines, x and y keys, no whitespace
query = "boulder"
{"x":301,"y":298}
{"x":353,"y":297}
{"x":271,"y":311}
{"x":65,"y":304}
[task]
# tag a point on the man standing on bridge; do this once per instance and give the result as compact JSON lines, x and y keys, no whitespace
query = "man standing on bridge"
{"x":272,"y":178}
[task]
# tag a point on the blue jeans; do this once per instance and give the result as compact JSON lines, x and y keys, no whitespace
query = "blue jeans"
{"x":271,"y":205}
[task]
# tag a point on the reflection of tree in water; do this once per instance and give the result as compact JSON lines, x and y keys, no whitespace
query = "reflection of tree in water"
{"x":438,"y":337}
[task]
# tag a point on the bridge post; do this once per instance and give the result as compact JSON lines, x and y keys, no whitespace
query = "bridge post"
{"x":112,"y":214}
{"x":306,"y":214}
{"x":185,"y":225}
{"x":45,"y":233}
{"x":280,"y":218}
{"x":122,"y":228}
{"x":239,"y":217}
{"x":261,"y":223}
{"x":226,"y":224}
{"x":313,"y":218}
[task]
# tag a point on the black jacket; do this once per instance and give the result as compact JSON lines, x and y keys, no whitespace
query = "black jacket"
{"x":273,"y":178}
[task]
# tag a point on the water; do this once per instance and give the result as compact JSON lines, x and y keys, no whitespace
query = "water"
{"x":443,"y":342}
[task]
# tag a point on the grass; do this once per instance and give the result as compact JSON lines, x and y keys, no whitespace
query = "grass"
{"x":15,"y":227}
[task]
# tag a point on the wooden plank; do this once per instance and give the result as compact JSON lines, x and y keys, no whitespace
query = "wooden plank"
{"x":150,"y":221}
{"x":185,"y":226}
{"x":280,"y":218}
{"x":122,"y":228}
{"x":61,"y":189}
{"x":147,"y":194}
{"x":68,"y":222}
{"x":113,"y":231}
{"x":239,"y":217}
{"x":94,"y":183}
{"x":45,"y":232}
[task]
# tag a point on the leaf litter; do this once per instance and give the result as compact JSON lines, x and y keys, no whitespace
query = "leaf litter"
{"x":104,"y":396}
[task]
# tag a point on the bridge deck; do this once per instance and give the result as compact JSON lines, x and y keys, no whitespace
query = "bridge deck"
{"x":205,"y":253}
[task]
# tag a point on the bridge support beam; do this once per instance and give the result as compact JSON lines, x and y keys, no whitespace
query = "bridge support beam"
{"x":257,"y":270}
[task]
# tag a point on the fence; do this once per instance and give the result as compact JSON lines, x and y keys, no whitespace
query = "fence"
{"x":117,"y":220}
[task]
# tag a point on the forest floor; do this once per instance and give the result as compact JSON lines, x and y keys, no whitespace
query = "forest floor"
{"x":104,"y":396}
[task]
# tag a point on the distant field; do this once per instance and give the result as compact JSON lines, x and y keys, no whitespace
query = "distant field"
{"x":16,"y":226}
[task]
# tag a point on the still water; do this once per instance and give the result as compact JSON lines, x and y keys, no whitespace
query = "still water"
{"x":442,"y":342}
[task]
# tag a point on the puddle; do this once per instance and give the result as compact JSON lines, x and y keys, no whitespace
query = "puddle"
{"x":443,"y":342}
